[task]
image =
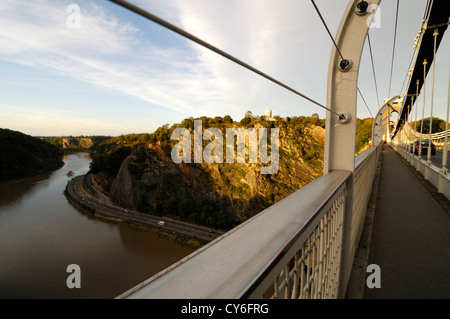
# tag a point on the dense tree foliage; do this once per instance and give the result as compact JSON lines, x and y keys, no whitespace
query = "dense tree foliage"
{"x":22,"y":155}
{"x":438,"y":125}
{"x":110,"y":161}
{"x":363,"y":133}
{"x":198,"y":211}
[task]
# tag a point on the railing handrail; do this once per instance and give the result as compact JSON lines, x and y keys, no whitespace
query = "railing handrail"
{"x":361,"y":158}
{"x":230,"y":266}
{"x":244,"y":261}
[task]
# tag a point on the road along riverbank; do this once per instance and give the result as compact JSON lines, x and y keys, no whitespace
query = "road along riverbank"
{"x":82,"y":193}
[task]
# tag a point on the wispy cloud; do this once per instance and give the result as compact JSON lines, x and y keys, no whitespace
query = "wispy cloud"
{"x":113,"y":53}
{"x":279,"y":38}
{"x":116,"y":50}
{"x":104,"y":51}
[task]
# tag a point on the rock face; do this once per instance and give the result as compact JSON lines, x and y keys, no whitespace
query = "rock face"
{"x":154,"y":180}
{"x":77,"y":143}
{"x":149,"y":178}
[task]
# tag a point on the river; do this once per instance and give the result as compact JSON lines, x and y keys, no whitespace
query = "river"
{"x":41,"y":234}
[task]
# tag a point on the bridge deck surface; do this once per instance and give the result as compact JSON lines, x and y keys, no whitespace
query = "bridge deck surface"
{"x":410,"y":236}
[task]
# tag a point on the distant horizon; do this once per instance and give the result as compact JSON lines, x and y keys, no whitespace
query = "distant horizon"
{"x":170,"y":124}
{"x":139,"y":133}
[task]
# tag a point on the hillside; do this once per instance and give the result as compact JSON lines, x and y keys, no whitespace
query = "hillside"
{"x":141,"y":175}
{"x":23,"y":155}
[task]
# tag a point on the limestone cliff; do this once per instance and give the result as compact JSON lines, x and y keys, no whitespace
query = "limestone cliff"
{"x":77,"y":143}
{"x":150,"y":181}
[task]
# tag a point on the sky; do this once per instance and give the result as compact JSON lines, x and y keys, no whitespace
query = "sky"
{"x":112,"y":72}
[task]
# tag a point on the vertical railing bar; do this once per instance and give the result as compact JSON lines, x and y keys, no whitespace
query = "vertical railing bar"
{"x":409,"y":129}
{"x":415,"y":123}
{"x":321,"y":254}
{"x":423,"y":109}
{"x":312,"y":271}
{"x":444,"y":155}
{"x":296,"y":278}
{"x":286,"y":284}
{"x":308,"y":267}
{"x":275,"y":288}
{"x":315,"y":264}
{"x":330,"y":250}
{"x":435,"y":34}
{"x":302,"y":271}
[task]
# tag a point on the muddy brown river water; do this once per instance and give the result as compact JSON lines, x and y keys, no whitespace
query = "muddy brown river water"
{"x":41,"y":234}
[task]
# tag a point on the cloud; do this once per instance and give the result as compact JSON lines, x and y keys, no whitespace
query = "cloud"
{"x":274,"y":37}
{"x":104,"y":51}
{"x":113,"y":49}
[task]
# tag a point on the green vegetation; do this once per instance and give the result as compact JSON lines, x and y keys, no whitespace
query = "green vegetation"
{"x":109,"y":161}
{"x":438,"y":125}
{"x":23,"y":155}
{"x":197,"y":211}
{"x":363,"y":134}
{"x":131,"y":140}
{"x":214,"y":195}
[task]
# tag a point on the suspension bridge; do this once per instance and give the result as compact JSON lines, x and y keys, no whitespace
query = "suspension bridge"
{"x":386,"y":207}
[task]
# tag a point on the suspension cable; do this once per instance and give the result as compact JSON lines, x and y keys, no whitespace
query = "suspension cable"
{"x":373,"y":68}
{"x":364,"y":100}
{"x":326,"y":27}
{"x":168,"y":25}
{"x":393,"y":47}
{"x":406,"y":76}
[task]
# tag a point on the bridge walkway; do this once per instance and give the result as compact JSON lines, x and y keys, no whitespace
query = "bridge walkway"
{"x":410,"y":238}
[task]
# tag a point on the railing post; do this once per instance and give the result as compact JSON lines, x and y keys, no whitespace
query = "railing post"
{"x":444,"y":154}
{"x":341,"y":98}
{"x":435,"y":34}
{"x":409,"y":131}
{"x":423,"y":109}
{"x":415,"y":122}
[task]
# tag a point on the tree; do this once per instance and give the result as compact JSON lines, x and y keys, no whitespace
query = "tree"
{"x":438,"y":125}
{"x":217,"y":120}
{"x":363,"y":133}
{"x":110,"y":161}
{"x":249,"y":114}
{"x":188,"y":123}
{"x":227,"y":119}
{"x":245,"y":121}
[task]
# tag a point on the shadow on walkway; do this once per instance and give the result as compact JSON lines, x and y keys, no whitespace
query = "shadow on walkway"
{"x":410,"y":239}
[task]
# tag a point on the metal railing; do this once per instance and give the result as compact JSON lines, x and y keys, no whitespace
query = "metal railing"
{"x":292,"y":249}
{"x":365,"y":171}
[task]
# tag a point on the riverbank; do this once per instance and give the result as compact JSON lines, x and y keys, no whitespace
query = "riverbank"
{"x":33,"y":175}
{"x":81,"y":193}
